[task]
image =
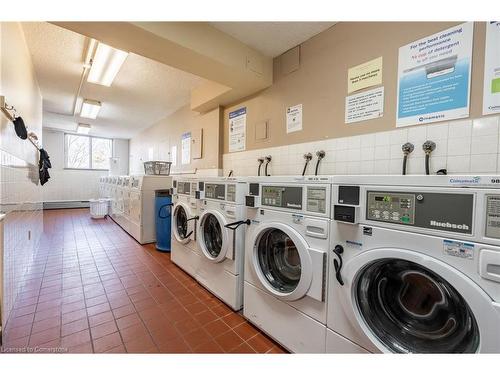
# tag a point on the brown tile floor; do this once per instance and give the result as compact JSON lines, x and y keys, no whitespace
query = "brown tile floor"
{"x":93,"y":289}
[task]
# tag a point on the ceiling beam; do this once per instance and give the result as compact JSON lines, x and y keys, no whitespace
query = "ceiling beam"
{"x":234,"y":69}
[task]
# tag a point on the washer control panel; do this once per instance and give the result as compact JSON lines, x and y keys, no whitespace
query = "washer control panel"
{"x":215,"y":191}
{"x":282,"y":196}
{"x":391,"y":207}
{"x":231,"y":192}
{"x":183,"y":187}
{"x":493,"y":216}
{"x":316,"y":199}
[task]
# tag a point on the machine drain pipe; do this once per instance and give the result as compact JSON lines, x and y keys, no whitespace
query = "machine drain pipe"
{"x":320,"y":154}
{"x":308,"y":157}
{"x":268,"y":160}
{"x":260,"y":160}
{"x":428,"y":147}
{"x":407,"y":150}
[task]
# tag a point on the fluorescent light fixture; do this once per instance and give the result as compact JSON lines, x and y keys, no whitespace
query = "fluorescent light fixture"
{"x":83,"y":128}
{"x":106,"y":64}
{"x":90,"y":108}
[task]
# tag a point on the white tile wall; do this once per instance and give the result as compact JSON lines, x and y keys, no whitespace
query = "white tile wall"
{"x":20,"y":195}
{"x":464,"y":146}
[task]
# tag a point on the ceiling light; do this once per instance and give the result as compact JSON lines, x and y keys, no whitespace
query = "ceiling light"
{"x":106,"y":63}
{"x":90,"y":108}
{"x":83,"y":128}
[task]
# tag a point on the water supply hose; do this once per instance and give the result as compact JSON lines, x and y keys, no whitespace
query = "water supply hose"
{"x":407,"y":150}
{"x":308,"y":157}
{"x":260,"y":160}
{"x":320,"y":154}
{"x":268,"y":160}
{"x":428,"y":147}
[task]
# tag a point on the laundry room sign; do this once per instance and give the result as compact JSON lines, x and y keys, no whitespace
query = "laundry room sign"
{"x":186,"y":148}
{"x":364,"y":106}
{"x":237,"y":130}
{"x":294,"y":118}
{"x":365,"y":75}
{"x":434,"y":75}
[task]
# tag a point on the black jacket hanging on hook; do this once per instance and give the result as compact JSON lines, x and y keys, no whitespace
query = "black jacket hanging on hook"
{"x":20,"y":128}
{"x":43,"y":166}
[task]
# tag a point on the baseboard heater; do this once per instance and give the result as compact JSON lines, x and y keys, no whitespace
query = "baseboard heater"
{"x":65,"y":204}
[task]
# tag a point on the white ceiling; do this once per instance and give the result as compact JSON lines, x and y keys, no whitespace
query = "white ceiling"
{"x":143,"y":92}
{"x":272,"y":38}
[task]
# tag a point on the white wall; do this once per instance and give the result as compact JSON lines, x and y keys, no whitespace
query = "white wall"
{"x":20,"y":194}
{"x":75,"y":185}
{"x":156,"y":142}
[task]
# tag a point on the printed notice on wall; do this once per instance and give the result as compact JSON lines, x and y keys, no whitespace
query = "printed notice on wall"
{"x":237,"y":130}
{"x":434,"y":77}
{"x":491,"y":87}
{"x":364,"y":106}
{"x":173,"y":155}
{"x":294,"y":118}
{"x":365,"y":75}
{"x":186,"y":148}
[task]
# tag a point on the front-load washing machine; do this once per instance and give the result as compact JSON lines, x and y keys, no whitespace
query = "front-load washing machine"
{"x":286,"y":259}
{"x":185,"y":252}
{"x":415,"y":264}
{"x":221,"y":238}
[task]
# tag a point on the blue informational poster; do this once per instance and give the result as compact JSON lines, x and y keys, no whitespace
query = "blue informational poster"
{"x":434,"y":76}
{"x":237,"y":129}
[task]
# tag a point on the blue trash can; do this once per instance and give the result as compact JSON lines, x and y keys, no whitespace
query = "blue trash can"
{"x":163,"y":210}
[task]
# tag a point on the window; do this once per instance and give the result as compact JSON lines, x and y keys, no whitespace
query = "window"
{"x":84,"y":152}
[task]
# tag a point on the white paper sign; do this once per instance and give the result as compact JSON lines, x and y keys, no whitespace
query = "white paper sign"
{"x":237,"y":130}
{"x":186,"y":148}
{"x":434,"y":76}
{"x":364,"y":106}
{"x":294,"y":118}
{"x":491,"y":87}
{"x":173,"y":155}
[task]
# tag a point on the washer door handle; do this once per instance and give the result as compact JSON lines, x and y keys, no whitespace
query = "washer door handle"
{"x":338,"y":251}
{"x":237,"y":224}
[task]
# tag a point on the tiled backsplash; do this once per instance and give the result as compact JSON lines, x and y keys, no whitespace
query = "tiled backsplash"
{"x":463,"y":146}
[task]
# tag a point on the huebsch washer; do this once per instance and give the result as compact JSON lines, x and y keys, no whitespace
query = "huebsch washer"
{"x":220,"y":238}
{"x":415,"y":266}
{"x":286,"y":263}
{"x":185,"y":251}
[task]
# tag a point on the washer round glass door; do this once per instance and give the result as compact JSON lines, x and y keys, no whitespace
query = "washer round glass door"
{"x":213,"y":236}
{"x":282,"y":261}
{"x":279,"y":260}
{"x":412,"y":309}
{"x":182,"y":230}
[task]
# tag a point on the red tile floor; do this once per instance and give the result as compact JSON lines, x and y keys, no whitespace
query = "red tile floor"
{"x":93,"y":289}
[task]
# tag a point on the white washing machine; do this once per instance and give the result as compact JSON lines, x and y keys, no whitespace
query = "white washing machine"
{"x":286,"y":259}
{"x":221,"y":238}
{"x":416,"y":264}
{"x":185,"y":252}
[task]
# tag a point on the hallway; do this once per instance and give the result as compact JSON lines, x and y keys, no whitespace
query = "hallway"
{"x":93,"y":289}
